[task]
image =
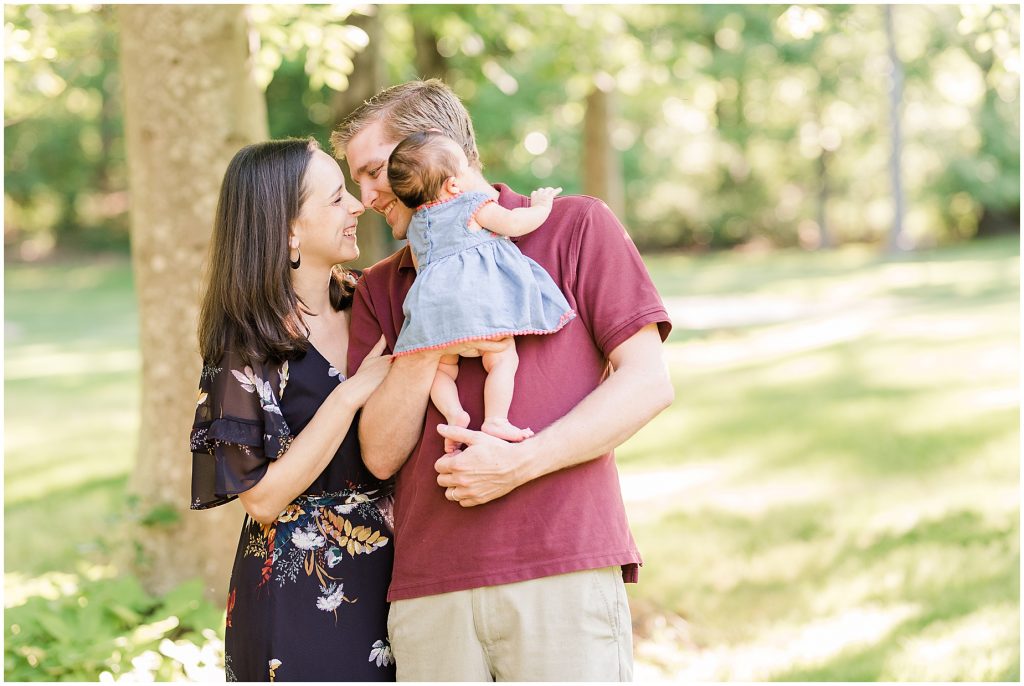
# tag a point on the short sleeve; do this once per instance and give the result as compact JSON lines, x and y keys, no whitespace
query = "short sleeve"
{"x":615,"y":296}
{"x":365,"y":330}
{"x":474,"y":203}
{"x":238,"y":428}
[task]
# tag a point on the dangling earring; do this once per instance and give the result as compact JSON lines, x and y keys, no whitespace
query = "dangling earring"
{"x":298,"y":260}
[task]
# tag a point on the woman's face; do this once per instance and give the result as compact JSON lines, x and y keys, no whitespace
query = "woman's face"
{"x":325,"y":229}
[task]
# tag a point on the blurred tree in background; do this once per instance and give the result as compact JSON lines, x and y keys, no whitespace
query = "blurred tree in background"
{"x":707,"y":126}
{"x":64,"y":167}
{"x":191,"y":101}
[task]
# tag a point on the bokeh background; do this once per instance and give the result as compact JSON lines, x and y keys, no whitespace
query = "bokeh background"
{"x":828,"y":198}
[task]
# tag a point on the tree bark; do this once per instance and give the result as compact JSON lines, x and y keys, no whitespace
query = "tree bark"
{"x":366,"y":80}
{"x":430,"y":63}
{"x":824,"y":238}
{"x":190,"y":104}
{"x":602,"y":168}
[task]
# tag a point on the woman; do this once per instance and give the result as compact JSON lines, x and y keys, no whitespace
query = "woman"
{"x":276,"y":424}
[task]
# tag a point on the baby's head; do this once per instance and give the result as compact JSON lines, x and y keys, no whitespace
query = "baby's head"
{"x":427,"y":166}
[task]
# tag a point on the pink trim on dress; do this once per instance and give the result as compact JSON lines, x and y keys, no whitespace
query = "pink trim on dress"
{"x":472,"y":215}
{"x":433,"y":203}
{"x":562,"y":321}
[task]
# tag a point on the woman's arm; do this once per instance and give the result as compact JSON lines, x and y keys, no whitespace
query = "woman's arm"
{"x":312,"y":450}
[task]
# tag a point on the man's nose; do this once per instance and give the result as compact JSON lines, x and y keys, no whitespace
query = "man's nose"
{"x":367,"y":195}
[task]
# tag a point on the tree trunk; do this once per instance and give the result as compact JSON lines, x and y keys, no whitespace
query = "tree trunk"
{"x":190,"y":104}
{"x":430,"y":63}
{"x":366,"y":80}
{"x":895,"y":96}
{"x":602,"y":169}
{"x":824,"y":238}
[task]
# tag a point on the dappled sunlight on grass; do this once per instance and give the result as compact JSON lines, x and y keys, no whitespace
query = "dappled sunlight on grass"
{"x":89,"y":514}
{"x":971,"y":648}
{"x":801,"y":645}
{"x":31,"y":363}
{"x":834,"y":496}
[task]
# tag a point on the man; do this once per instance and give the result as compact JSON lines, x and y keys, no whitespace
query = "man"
{"x":510,"y":558}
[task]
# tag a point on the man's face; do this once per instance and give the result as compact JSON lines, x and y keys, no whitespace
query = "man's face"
{"x":367,"y":154}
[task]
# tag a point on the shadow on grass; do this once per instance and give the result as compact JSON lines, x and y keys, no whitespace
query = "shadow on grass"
{"x":737,"y":273}
{"x":84,"y":515}
{"x":946,"y":605}
{"x":842,"y":414}
{"x":949,"y":568}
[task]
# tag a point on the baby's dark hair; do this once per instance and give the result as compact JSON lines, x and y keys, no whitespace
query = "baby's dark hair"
{"x":419,"y":166}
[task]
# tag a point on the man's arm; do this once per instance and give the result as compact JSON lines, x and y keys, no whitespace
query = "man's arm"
{"x":637,"y":390}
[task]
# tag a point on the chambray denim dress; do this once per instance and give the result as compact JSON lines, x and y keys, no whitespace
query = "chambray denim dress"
{"x":472,"y":285}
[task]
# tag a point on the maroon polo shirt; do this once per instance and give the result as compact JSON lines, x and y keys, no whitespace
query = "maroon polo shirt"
{"x":568,"y":521}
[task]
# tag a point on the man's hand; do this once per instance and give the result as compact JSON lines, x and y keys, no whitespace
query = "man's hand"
{"x":486,"y":469}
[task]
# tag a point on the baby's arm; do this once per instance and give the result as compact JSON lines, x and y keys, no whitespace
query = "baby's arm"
{"x":520,"y":221}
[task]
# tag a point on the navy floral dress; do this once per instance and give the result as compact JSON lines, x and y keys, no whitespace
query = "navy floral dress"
{"x":307,"y":598}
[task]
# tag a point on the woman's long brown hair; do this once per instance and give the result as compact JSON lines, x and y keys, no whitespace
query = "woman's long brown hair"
{"x":249,"y":306}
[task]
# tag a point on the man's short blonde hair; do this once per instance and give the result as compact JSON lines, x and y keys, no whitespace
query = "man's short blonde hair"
{"x":410,"y":107}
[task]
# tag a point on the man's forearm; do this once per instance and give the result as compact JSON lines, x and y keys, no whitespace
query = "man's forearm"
{"x":489,"y":467}
{"x":392,"y":418}
{"x":614,"y":411}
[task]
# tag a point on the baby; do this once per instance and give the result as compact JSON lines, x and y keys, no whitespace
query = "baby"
{"x":472,"y":283}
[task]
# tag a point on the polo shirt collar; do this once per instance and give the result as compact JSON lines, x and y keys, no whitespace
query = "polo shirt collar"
{"x":406,"y":260}
{"x":507,"y":198}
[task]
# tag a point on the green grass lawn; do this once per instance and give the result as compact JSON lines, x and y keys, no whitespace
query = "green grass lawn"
{"x":833,"y":495}
{"x":71,"y":395}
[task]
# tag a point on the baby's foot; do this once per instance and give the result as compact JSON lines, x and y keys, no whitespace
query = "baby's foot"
{"x":460,"y":420}
{"x":501,"y":428}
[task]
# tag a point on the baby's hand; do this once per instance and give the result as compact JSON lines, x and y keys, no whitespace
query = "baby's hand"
{"x":544,"y":196}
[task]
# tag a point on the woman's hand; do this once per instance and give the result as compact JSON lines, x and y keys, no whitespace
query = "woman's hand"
{"x":361,"y":385}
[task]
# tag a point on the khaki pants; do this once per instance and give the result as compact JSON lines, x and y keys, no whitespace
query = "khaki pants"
{"x":570,"y":627}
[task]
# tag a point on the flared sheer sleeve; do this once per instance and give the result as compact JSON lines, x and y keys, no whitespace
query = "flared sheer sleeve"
{"x":238,"y":428}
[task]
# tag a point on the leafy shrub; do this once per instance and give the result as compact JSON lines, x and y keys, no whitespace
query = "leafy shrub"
{"x":112,"y":628}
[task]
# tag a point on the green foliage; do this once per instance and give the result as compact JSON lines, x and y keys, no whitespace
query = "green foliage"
{"x":316,"y":33}
{"x":734,"y":122}
{"x":64,"y":154}
{"x":112,"y":625}
{"x":163,"y":514}
{"x":742,"y":122}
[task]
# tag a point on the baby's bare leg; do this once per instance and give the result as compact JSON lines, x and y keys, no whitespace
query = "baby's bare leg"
{"x":501,"y":380}
{"x":445,"y":395}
